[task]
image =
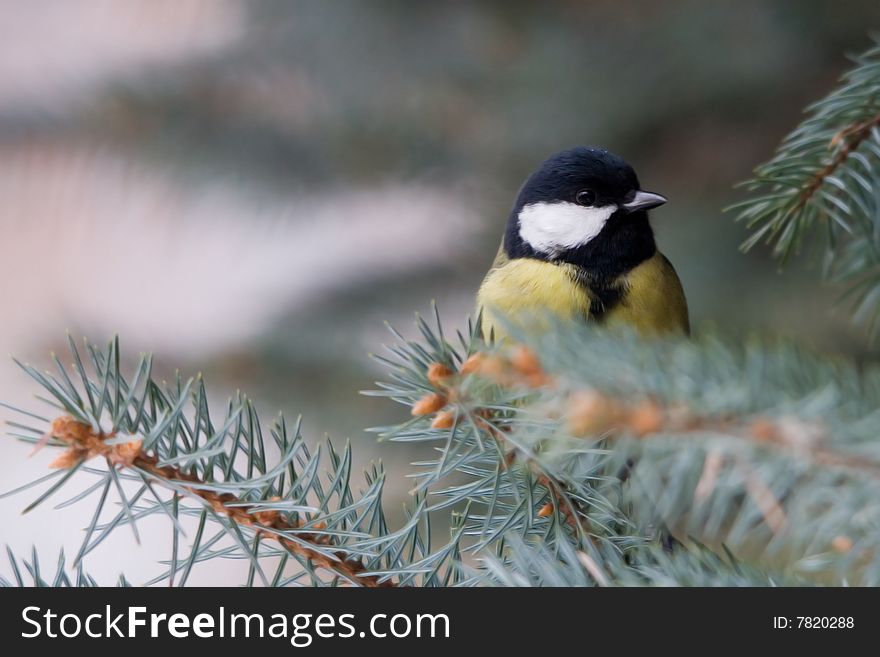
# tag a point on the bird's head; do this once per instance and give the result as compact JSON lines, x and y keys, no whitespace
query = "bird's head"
{"x":583,"y":206}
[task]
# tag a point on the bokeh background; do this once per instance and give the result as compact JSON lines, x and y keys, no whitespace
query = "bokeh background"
{"x":250,"y":189}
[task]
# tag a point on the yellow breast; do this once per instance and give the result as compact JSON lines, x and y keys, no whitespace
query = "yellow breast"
{"x":528,"y":291}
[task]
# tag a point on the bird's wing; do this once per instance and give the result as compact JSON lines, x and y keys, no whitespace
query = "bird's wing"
{"x":654,"y":301}
{"x":501,"y":258}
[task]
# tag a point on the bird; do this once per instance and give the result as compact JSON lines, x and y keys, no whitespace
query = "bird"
{"x":578,"y":245}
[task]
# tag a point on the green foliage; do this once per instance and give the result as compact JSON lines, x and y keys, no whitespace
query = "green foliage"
{"x":473,"y":467}
{"x":825,"y":179}
{"x":532,"y":501}
{"x":764,"y":449}
{"x":649,"y":565}
{"x":207,"y":466}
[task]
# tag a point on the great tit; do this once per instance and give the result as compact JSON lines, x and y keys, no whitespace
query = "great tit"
{"x":578,"y":245}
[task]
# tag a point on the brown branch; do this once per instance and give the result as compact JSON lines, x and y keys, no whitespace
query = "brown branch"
{"x":592,"y":413}
{"x":83,"y":444}
{"x":852,"y":137}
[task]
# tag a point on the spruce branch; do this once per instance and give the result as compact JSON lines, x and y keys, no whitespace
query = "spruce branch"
{"x":264,"y":520}
{"x":594,"y":413}
{"x":252,"y":498}
{"x":766,"y":449}
{"x":724,"y":447}
{"x":521,"y":367}
{"x":819,"y":171}
{"x":826,"y":173}
{"x":587,"y":457}
{"x":468,"y":399}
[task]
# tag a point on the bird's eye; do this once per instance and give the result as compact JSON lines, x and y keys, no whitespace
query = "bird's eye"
{"x":585,"y":197}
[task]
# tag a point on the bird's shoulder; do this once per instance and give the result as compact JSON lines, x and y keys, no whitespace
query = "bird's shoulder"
{"x":654,"y":299}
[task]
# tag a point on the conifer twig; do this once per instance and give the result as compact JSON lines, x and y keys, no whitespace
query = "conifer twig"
{"x":84,"y":443}
{"x":520,"y":367}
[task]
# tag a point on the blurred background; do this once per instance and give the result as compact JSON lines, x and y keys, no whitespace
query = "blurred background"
{"x":250,"y":189}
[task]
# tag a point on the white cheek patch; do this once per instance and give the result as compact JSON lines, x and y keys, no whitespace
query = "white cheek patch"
{"x":552,"y":228}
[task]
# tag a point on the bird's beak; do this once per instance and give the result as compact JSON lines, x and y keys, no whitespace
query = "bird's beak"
{"x":643,"y":201}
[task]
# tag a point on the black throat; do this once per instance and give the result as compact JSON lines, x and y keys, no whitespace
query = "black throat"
{"x":625,"y":241}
